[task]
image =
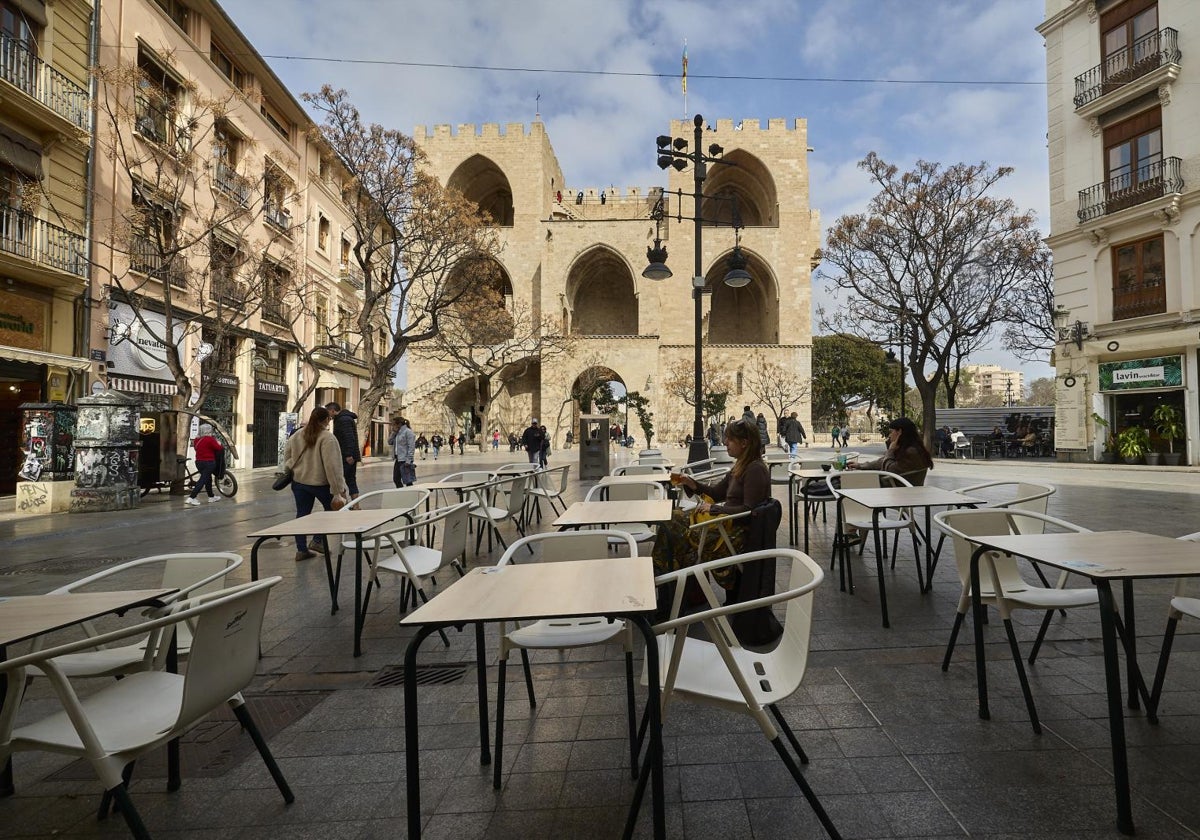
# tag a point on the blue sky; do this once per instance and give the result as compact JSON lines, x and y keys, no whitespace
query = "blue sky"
{"x":603,"y":126}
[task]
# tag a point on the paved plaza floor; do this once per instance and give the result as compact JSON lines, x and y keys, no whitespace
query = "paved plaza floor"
{"x":896,"y":746}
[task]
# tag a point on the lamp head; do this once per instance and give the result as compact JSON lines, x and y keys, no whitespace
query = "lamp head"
{"x":656,"y":255}
{"x":273,"y":350}
{"x":737,"y":276}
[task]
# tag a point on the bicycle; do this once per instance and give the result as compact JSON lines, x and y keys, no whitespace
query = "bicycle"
{"x":226,"y":485}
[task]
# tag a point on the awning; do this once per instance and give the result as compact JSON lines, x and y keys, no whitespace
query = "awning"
{"x":38,"y":357}
{"x":143,"y":386}
{"x":333,"y":379}
{"x":21,"y":153}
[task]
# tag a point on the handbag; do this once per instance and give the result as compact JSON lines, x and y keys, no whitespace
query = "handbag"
{"x":285,"y":478}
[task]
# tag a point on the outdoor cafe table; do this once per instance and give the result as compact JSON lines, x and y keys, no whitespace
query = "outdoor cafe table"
{"x":879,"y":499}
{"x":609,"y":480}
{"x":1102,"y":557}
{"x":25,"y":617}
{"x":802,"y":477}
{"x":341,"y":522}
{"x":613,"y":587}
{"x":594,"y":514}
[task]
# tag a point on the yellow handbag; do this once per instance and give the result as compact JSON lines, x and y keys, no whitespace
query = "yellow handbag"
{"x":697,"y":516}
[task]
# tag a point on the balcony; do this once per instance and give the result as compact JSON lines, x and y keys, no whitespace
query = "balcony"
{"x":231,"y":183}
{"x":1142,"y":185}
{"x":277,"y":216}
{"x":275,"y":311}
{"x":24,"y":235}
{"x":43,"y":83}
{"x":1138,"y":299}
{"x":1152,"y":60}
{"x":145,"y":257}
{"x":352,"y":276}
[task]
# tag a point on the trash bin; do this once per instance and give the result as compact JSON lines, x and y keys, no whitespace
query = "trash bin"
{"x":593,"y":446}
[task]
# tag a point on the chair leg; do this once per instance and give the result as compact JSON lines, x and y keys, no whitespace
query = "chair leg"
{"x":1016,"y":654}
{"x":528,"y":679}
{"x":247,"y":722}
{"x":787,"y":730}
{"x":958,"y":620}
{"x":813,"y":802}
{"x":136,"y":827}
{"x":107,"y":806}
{"x":631,"y":710}
{"x":1037,"y":643}
{"x":498,"y":755}
{"x":1160,"y":673}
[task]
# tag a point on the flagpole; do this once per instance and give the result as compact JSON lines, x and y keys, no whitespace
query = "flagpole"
{"x":684,"y":81}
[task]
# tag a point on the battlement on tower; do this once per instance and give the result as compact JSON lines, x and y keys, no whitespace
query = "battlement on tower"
{"x":468,"y":132}
{"x":750,"y":125}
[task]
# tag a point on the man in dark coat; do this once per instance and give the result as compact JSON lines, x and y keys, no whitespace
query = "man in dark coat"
{"x":532,"y":440}
{"x":793,"y":433}
{"x":345,"y":430}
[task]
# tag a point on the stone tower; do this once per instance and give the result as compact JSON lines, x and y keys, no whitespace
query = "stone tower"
{"x":576,"y":254}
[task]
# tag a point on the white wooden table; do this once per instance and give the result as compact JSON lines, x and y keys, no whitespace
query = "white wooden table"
{"x":598,"y":514}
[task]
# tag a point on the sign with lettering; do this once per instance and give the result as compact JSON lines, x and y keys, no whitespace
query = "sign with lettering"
{"x":149,"y":424}
{"x":270,"y":387}
{"x":1134,"y":374}
{"x":137,"y":349}
{"x":22,"y":321}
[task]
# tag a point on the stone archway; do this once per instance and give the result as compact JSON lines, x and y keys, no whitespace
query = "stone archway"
{"x":583,"y":392}
{"x":482,"y":181}
{"x":749,"y":315}
{"x":601,"y":294}
{"x":750,"y":182}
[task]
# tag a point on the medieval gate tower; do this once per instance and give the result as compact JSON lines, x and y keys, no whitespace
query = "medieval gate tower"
{"x":576,"y":254}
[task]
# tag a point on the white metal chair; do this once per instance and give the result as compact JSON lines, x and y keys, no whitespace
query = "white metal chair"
{"x":404,"y":500}
{"x":654,"y":460}
{"x":1181,"y":605}
{"x":545,"y":488}
{"x":191,"y":573}
{"x":114,"y":726}
{"x":1030,"y":496}
{"x":854,"y":515}
{"x":634,"y":492}
{"x":1001,"y":584}
{"x":564,"y":633}
{"x":812,"y":493}
{"x":641,"y":469}
{"x":491,"y":513}
{"x":718,"y":671}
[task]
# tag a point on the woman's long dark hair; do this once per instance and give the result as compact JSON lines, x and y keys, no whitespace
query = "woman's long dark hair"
{"x":747,"y":433}
{"x":315,"y":425}
{"x":910,"y":438}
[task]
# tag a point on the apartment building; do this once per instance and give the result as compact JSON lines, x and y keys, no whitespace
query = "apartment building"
{"x":1124,"y":145}
{"x":45,"y":134}
{"x":222,"y":215}
{"x":995,"y":381}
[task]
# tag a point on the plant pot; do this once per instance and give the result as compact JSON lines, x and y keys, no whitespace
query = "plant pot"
{"x":1153,"y":459}
{"x":1132,"y":459}
{"x":1172,"y":459}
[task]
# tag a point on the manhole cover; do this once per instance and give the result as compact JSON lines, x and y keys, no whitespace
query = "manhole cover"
{"x":393,"y":675}
{"x":218,"y":744}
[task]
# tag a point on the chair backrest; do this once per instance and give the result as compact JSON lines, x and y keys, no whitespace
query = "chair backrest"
{"x":191,"y":572}
{"x":398,"y":498}
{"x":452,"y":521}
{"x":571,"y":545}
{"x":545,"y":480}
{"x":635,"y":491}
{"x":515,"y":467}
{"x":515,"y":487}
{"x":641,"y":469}
{"x":226,"y":631}
{"x":861,"y":480}
{"x":1005,"y":575}
{"x":482,"y":476}
{"x":780,"y":471}
{"x":651,"y":459}
{"x":1029,"y":496}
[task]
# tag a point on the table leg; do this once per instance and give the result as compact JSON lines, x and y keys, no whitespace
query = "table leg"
{"x":1130,"y":642}
{"x":879,"y":567}
{"x":334,"y":579}
{"x":412,"y":757}
{"x":485,"y":744}
{"x":254,"y":557}
{"x":1116,"y":714}
{"x":173,"y":775}
{"x":6,"y":774}
{"x":977,"y":613}
{"x":358,"y":614}
{"x":792,"y":532}
{"x":652,"y":770}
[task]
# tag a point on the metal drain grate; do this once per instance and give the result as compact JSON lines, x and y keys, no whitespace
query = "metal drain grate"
{"x":393,"y":675}
{"x":69,"y":566}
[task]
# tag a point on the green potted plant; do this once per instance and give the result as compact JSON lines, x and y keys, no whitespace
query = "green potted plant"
{"x":1133,"y":443}
{"x":1110,"y":440}
{"x":1168,"y":420}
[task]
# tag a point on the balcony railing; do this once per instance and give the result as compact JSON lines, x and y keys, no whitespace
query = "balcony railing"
{"x":22,"y":69}
{"x":1146,"y":298}
{"x":352,"y":275}
{"x":146,"y":258}
{"x":25,"y":235}
{"x":275,"y":311}
{"x":230,"y":182}
{"x":1147,"y":54}
{"x":1143,"y":184}
{"x":278,"y":217}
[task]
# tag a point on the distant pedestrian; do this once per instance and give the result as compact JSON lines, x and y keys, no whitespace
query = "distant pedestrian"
{"x":845,"y":436}
{"x":453,"y":441}
{"x":345,"y":430}
{"x":404,"y":448}
{"x":764,"y":436}
{"x":748,"y":416}
{"x":208,"y":450}
{"x":423,"y":445}
{"x":544,"y":452}
{"x":495,"y":439}
{"x":435,"y":443}
{"x":531,"y":440}
{"x":836,"y":434}
{"x":462,"y":442}
{"x":793,"y":433}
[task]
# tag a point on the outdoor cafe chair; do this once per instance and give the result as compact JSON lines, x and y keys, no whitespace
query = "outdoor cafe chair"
{"x":500,"y":501}
{"x":113,"y":727}
{"x":1001,"y":584}
{"x":860,"y":518}
{"x":641,"y":469}
{"x":191,"y":573}
{"x":1181,"y":605}
{"x":717,"y":671}
{"x":550,"y":485}
{"x":405,"y":500}
{"x":640,"y":491}
{"x":564,"y":633}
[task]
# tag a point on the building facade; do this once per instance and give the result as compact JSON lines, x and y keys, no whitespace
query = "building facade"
{"x":217,"y":158}
{"x":45,"y":134}
{"x":1124,"y":145}
{"x":575,"y":255}
{"x":995,"y":381}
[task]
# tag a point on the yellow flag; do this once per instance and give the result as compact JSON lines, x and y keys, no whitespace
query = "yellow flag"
{"x":685,"y":66}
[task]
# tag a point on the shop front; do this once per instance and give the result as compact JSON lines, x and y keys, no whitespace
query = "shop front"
{"x":1140,"y":393}
{"x":270,"y":401}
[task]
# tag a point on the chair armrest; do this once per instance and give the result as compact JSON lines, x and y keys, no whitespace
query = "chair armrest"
{"x":720,"y":520}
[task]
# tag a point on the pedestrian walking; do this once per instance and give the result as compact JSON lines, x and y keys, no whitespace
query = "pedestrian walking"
{"x":531,"y":440}
{"x":845,"y":436}
{"x":793,"y":433}
{"x":423,"y":445}
{"x":836,"y":434}
{"x":435,"y":443}
{"x":404,"y":446}
{"x":544,"y":452}
{"x":208,"y":449}
{"x":495,"y":440}
{"x":345,"y":431}
{"x":315,"y":459}
{"x":462,"y":442}
{"x":761,"y":423}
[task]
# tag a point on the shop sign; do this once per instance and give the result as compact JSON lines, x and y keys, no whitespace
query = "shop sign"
{"x":270,"y":388}
{"x":149,"y":425}
{"x":1135,"y":374}
{"x":22,"y":321}
{"x":139,"y":351}
{"x":225,"y":380}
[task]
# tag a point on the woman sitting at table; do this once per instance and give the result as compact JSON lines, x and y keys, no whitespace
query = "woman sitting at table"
{"x":746,"y":485}
{"x":906,"y":453}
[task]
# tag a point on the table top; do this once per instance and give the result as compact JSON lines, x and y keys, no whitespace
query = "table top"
{"x":456,"y":484}
{"x":892,"y":497}
{"x":609,"y":586}
{"x":603,"y":513}
{"x":333,"y":522}
{"x":809,"y":475}
{"x":1105,"y":554}
{"x":661,"y":478}
{"x":26,"y":616}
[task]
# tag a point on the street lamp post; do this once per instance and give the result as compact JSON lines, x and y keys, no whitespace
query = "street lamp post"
{"x":672,"y":152}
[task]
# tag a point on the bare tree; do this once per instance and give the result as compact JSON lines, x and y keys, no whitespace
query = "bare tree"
{"x":198,"y":232}
{"x":1030,"y":334}
{"x":420,"y":246}
{"x":934,"y":255}
{"x":715,"y":382}
{"x":490,"y":342}
{"x":778,"y":387}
